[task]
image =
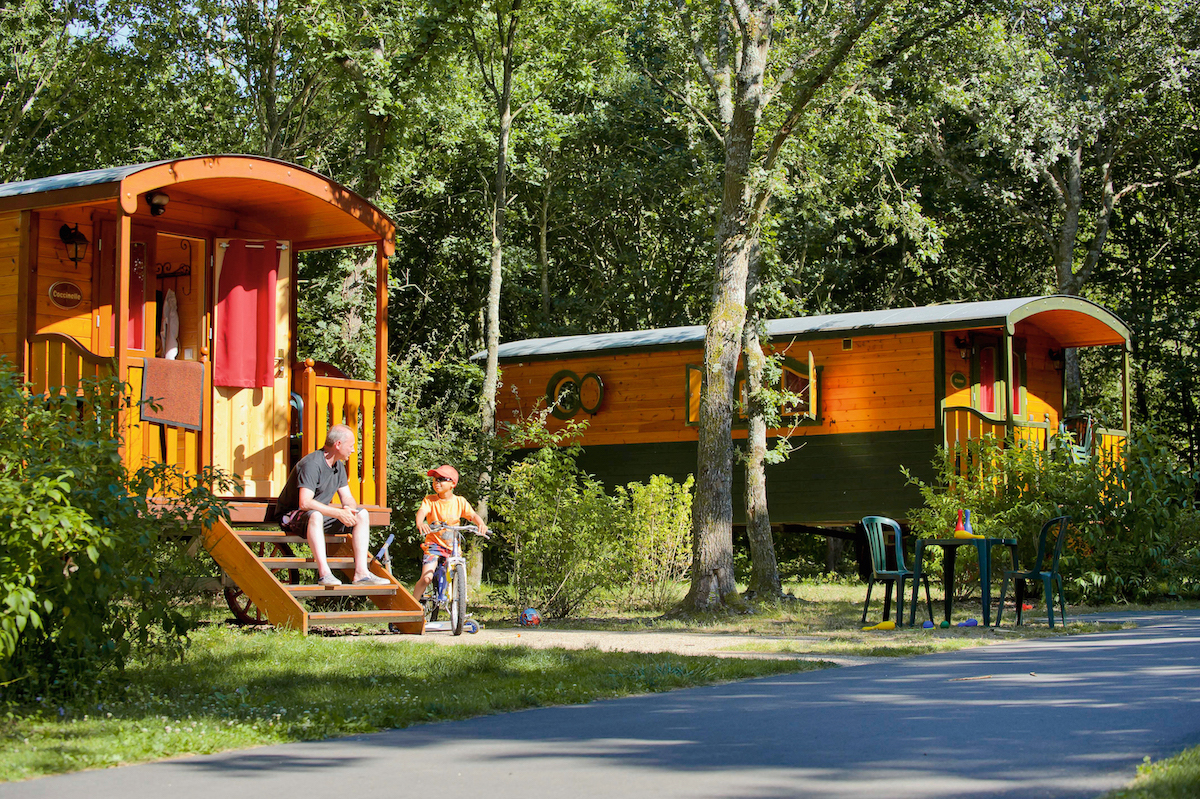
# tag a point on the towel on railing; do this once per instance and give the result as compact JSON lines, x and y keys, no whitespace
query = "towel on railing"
{"x":177,"y":387}
{"x":244,"y":348}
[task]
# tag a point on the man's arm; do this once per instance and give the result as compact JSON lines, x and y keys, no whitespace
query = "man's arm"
{"x":345,"y":515}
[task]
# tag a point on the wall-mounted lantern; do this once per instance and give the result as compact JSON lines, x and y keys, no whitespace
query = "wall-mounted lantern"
{"x":157,"y":200}
{"x":75,"y":242}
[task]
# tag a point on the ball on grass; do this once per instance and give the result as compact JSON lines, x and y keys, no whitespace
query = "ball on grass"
{"x":530,"y":618}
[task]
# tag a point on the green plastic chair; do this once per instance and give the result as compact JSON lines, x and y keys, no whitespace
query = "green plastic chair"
{"x":880,"y":571}
{"x":1049,"y":577}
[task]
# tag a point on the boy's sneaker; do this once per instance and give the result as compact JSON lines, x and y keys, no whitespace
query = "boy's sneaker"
{"x":328,"y":581}
{"x":372,"y":579}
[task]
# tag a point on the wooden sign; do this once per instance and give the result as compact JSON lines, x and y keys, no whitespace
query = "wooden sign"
{"x":66,"y":295}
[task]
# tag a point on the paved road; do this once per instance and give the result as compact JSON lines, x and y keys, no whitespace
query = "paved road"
{"x":1064,"y":717}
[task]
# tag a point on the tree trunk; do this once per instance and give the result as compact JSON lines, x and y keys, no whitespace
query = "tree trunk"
{"x":764,"y":569}
{"x":544,"y":253}
{"x":487,"y":401}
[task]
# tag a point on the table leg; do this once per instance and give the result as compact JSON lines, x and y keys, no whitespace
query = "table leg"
{"x":948,"y":578}
{"x":985,"y":580}
{"x":887,"y":600}
{"x":917,"y":568}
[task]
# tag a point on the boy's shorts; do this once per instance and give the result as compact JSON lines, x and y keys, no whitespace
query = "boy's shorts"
{"x":298,"y":523}
{"x":433,"y":552}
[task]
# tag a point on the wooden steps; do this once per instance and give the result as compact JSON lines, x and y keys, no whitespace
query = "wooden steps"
{"x":271,"y":582}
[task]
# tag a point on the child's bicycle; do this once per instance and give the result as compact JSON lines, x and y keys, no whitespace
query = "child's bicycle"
{"x":447,"y":592}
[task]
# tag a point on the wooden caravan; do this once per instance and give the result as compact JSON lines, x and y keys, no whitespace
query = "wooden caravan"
{"x":881,"y":390}
{"x":180,"y":278}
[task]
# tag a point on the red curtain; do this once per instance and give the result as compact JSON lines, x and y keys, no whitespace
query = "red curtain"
{"x":244,"y":346}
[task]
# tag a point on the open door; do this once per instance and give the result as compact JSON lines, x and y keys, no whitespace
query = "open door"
{"x":251,"y":409}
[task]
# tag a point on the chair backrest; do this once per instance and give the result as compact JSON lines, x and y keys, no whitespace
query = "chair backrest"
{"x":877,"y":541}
{"x":1058,"y":525}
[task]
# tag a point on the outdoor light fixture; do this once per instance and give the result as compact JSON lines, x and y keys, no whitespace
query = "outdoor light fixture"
{"x":75,"y":242}
{"x":964,"y":347}
{"x":157,"y":200}
{"x":1058,"y":358}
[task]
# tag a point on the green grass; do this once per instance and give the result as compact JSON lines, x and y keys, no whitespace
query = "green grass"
{"x":238,"y":689}
{"x":1176,"y":777}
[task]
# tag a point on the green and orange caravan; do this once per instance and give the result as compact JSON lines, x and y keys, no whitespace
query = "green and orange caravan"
{"x":179,"y":278}
{"x":877,"y":390}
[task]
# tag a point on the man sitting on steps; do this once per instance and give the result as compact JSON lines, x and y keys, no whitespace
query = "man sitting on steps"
{"x":304,"y":506}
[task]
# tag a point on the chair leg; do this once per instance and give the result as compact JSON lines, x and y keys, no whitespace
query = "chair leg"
{"x":900,"y":602}
{"x":1062,"y":600}
{"x":887,"y":599}
{"x":1048,"y":590}
{"x":1020,"y":593}
{"x":867,"y":604}
{"x":1003,"y":592}
{"x":928,"y":600}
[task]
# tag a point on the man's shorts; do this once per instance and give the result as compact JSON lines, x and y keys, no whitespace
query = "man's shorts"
{"x":433,"y":552}
{"x":298,"y":524}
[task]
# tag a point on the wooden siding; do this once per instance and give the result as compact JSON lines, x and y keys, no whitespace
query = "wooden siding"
{"x":883,"y":383}
{"x":831,"y":480}
{"x":53,"y":266}
{"x":250,"y":425}
{"x":10,"y":250}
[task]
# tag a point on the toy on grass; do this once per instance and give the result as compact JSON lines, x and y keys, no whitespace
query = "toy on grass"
{"x":883,"y":625}
{"x":969,"y":623}
{"x":963,"y":528}
{"x":928,"y":625}
{"x":944,"y":625}
{"x":530,"y":618}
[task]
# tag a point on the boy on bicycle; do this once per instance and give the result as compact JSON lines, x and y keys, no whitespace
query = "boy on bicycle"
{"x":443,"y":505}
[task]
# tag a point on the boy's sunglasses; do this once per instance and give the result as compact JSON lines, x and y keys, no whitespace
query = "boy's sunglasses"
{"x":442,"y":480}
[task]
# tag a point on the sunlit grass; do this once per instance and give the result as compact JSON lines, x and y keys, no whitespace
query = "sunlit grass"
{"x":239,"y":688}
{"x":1176,"y":777}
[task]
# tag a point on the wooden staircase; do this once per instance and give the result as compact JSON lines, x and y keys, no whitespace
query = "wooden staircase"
{"x":283,"y":602}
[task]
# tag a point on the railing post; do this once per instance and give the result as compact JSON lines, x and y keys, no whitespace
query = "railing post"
{"x":308,"y":392}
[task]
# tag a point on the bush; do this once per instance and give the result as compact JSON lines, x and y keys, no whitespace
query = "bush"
{"x":1135,"y":531}
{"x":564,"y":531}
{"x":88,"y":568}
{"x":659,"y":529}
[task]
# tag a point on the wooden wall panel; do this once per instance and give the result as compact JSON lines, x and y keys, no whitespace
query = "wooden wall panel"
{"x":250,"y":425}
{"x":1044,"y":382}
{"x":883,"y":383}
{"x":10,"y":248}
{"x":53,"y":266}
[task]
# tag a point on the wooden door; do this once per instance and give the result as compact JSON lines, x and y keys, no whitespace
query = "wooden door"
{"x":250,"y":425}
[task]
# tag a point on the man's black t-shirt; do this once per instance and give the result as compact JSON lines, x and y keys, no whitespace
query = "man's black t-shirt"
{"x":314,"y":473}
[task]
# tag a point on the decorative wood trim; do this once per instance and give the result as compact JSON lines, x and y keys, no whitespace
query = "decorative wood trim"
{"x":75,"y":195}
{"x":26,"y":282}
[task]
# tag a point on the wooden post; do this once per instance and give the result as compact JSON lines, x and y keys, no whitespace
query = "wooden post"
{"x":1008,"y":385}
{"x":121,"y":313}
{"x":308,"y":392}
{"x":26,"y":287}
{"x":381,"y":363}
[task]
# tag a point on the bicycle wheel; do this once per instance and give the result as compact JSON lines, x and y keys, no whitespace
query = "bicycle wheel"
{"x":458,"y":598}
{"x":245,"y":611}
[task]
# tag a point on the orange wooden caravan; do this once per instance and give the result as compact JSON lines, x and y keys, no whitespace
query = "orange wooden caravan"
{"x":180,"y":277}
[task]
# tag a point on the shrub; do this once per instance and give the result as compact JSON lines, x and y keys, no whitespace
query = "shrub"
{"x":658,"y":526}
{"x":88,"y":568}
{"x":564,"y":531}
{"x":1135,"y":531}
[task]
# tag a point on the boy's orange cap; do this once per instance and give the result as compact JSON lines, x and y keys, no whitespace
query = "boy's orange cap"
{"x":445,"y":470}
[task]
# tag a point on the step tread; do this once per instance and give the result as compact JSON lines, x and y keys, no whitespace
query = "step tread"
{"x":315,"y":591}
{"x":269,"y":537}
{"x":305,"y":563}
{"x":364,"y":616}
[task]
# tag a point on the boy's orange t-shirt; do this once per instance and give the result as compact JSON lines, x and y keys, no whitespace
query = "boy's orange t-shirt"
{"x":451,"y":511}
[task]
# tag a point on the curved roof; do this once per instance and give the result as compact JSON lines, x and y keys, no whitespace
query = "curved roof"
{"x":1073,"y":321}
{"x":311,"y":209}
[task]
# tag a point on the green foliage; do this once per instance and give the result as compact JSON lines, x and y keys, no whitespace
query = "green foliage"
{"x":88,"y":568}
{"x":565,"y":532}
{"x":659,"y":528}
{"x":1135,"y":531}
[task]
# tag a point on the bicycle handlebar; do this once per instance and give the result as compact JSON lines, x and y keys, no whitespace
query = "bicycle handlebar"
{"x":458,"y":528}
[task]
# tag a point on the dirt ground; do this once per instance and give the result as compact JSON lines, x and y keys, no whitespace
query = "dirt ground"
{"x":683,"y":643}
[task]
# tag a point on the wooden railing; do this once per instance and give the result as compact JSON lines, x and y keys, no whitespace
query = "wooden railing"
{"x":58,"y":362}
{"x":358,"y":404}
{"x":964,"y":425}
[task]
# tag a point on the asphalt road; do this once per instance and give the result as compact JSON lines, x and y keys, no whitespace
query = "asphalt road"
{"x":1061,"y":717}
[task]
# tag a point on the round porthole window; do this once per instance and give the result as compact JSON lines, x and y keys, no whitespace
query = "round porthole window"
{"x":591,"y":392}
{"x":562,"y":394}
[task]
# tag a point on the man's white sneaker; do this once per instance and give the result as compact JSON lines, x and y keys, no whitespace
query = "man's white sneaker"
{"x":330,"y":581}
